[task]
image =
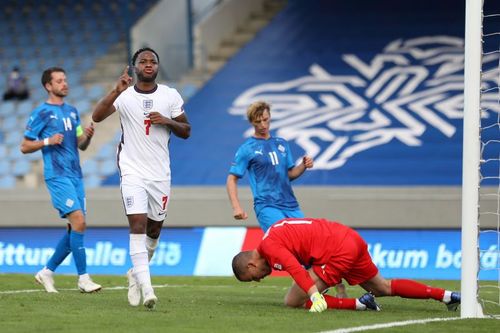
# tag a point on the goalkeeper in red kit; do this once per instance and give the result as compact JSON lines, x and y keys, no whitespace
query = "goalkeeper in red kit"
{"x":333,"y":252}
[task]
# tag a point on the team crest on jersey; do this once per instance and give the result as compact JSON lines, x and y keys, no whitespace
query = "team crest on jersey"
{"x":70,"y":203}
{"x":278,"y":267}
{"x":129,"y":201}
{"x":147,"y":104}
{"x":73,"y":115}
{"x":281,"y":148}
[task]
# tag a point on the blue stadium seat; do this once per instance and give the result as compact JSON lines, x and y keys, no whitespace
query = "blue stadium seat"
{"x":73,"y":80}
{"x":106,"y":152}
{"x":90,"y":26}
{"x":7,"y":108}
{"x":15,"y":135}
{"x":32,"y":65}
{"x":92,"y":181}
{"x":24,"y":108}
{"x":34,"y":80}
{"x":86,"y":63}
{"x":95,"y":92}
{"x":38,"y":95}
{"x":83,"y":105}
{"x":77,"y":92}
{"x":90,"y":167}
{"x":107,"y":168}
{"x":117,"y":137}
{"x":7,"y":182}
{"x":37,"y":155}
{"x":10,"y":123}
{"x":15,"y":153}
{"x":21,"y":167}
{"x":4,"y":168}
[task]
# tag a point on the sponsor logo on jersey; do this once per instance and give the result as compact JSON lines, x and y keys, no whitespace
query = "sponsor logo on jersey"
{"x":258,"y":152}
{"x":278,"y":267}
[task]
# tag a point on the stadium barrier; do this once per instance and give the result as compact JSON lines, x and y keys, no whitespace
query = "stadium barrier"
{"x":358,"y":207}
{"x":208,"y":251}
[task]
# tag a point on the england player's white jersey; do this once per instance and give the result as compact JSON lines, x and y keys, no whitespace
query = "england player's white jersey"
{"x":143,"y":150}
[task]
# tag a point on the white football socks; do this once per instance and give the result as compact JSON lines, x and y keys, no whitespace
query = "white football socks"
{"x":151,"y":245}
{"x":139,"y":257}
{"x":84,"y":277}
{"x":447,"y":296}
{"x":359,"y":305}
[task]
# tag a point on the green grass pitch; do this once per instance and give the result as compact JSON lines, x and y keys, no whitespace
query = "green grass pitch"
{"x":205,"y":304}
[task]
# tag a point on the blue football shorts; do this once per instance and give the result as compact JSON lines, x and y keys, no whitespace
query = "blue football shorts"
{"x":68,"y":194}
{"x":267,"y":216}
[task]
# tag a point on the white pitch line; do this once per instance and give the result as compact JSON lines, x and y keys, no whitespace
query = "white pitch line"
{"x":27,"y":291}
{"x":389,"y":325}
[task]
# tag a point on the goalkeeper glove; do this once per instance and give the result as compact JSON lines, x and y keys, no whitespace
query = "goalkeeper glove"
{"x":318,"y":303}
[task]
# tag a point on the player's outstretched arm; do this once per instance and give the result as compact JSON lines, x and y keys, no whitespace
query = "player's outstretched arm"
{"x":104,"y":108}
{"x":30,"y":146}
{"x":232,"y":192}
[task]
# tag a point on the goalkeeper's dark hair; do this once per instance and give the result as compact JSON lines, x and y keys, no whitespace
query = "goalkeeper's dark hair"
{"x":240,"y":262}
{"x":47,"y":74}
{"x":139,"y":51}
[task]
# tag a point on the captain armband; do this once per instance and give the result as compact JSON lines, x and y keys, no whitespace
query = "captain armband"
{"x":79,"y":131}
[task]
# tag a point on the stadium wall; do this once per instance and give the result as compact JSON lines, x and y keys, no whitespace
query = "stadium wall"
{"x":166,"y":29}
{"x":361,"y":207}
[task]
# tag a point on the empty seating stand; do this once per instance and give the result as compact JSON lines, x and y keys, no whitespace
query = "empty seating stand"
{"x":66,"y":33}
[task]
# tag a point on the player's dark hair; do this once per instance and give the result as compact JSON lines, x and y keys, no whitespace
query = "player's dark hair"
{"x":139,"y":51}
{"x":47,"y":74}
{"x":240,"y":262}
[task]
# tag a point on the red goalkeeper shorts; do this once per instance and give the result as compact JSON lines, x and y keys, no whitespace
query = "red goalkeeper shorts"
{"x":352,"y":263}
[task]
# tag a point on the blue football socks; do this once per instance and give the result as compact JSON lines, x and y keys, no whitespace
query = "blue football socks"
{"x":76,"y":244}
{"x":61,"y":252}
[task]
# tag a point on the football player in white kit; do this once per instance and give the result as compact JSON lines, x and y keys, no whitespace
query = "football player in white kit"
{"x":149,"y":112}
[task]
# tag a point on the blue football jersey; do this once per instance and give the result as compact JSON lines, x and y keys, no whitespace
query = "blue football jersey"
{"x":267,"y":162}
{"x":47,"y":120}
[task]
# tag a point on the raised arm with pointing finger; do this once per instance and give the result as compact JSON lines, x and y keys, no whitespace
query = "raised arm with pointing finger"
{"x":104,"y":107}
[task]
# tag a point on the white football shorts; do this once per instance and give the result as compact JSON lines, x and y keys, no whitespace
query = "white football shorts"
{"x":141,"y":196}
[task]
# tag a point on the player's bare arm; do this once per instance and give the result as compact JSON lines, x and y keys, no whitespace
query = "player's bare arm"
{"x":232,"y":192}
{"x":179,"y":125}
{"x":30,"y":146}
{"x":84,"y":139}
{"x":298,"y":170}
{"x":104,"y":107}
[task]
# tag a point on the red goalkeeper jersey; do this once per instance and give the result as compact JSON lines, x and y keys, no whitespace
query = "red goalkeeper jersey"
{"x":291,"y":244}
